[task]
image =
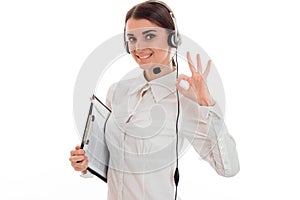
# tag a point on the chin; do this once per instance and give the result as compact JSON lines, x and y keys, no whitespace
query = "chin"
{"x":146,"y":66}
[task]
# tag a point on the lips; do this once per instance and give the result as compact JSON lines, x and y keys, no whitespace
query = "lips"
{"x":144,"y":56}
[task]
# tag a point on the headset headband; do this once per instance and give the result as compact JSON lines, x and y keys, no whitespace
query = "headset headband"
{"x":176,"y":40}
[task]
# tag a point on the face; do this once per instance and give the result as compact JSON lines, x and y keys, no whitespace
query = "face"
{"x":147,"y":43}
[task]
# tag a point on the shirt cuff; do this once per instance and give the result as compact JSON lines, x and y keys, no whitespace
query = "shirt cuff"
{"x":86,"y":175}
{"x":215,"y":110}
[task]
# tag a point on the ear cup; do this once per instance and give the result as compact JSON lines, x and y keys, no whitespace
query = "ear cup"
{"x":127,"y":47}
{"x":173,"y":41}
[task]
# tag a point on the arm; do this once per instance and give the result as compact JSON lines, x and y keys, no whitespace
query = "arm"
{"x":109,"y":95}
{"x":203,"y":123}
{"x":214,"y":144}
{"x":78,"y":159}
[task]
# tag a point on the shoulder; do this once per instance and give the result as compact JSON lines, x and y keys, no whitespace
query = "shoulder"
{"x":122,"y":87}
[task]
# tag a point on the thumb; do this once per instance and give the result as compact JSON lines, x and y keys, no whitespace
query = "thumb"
{"x":77,"y":147}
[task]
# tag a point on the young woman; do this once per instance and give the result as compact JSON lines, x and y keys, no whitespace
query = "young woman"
{"x":145,"y":129}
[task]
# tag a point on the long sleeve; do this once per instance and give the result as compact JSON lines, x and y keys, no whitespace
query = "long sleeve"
{"x":109,"y":95}
{"x":212,"y":141}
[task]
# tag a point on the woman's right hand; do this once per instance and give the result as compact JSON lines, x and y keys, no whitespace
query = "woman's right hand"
{"x":78,"y":159}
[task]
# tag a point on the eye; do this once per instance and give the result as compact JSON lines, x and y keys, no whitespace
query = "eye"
{"x":150,"y":36}
{"x":131,"y":39}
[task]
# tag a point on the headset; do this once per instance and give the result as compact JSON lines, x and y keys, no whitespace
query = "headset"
{"x":174,"y":40}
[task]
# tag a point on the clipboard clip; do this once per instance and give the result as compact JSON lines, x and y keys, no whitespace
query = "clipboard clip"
{"x":90,"y":119}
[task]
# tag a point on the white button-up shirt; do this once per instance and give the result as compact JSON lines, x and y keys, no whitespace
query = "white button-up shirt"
{"x":141,"y":138}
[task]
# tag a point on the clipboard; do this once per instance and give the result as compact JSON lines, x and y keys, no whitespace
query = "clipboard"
{"x":93,"y":140}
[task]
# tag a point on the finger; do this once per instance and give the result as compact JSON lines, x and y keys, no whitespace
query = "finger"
{"x":83,"y":168}
{"x":199,"y":66}
{"x":80,"y":166}
{"x":190,"y":62}
{"x":75,"y":159}
{"x":179,"y":83}
{"x":207,"y":70}
{"x":77,"y":147}
{"x":78,"y":169}
{"x":184,"y":77}
{"x":83,"y":164}
{"x":180,"y":89}
{"x":74,"y":152}
{"x":77,"y":152}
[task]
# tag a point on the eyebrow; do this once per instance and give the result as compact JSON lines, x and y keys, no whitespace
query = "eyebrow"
{"x":145,"y":32}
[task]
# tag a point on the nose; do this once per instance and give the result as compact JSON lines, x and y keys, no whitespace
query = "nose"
{"x":140,"y":44}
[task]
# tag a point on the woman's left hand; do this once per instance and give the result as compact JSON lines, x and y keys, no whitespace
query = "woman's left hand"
{"x":198,"y":90}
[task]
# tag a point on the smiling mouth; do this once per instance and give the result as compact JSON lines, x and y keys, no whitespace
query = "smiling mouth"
{"x":144,"y":56}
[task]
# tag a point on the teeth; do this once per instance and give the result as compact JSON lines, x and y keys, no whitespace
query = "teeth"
{"x":144,"y":56}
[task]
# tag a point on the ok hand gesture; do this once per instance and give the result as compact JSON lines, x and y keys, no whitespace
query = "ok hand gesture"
{"x":197,"y":90}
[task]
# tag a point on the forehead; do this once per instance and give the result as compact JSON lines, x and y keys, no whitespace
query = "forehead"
{"x":140,"y":25}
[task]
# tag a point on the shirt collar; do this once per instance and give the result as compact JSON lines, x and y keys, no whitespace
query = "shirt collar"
{"x":139,"y":83}
{"x":160,"y":87}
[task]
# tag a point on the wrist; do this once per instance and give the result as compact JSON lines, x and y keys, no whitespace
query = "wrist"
{"x":207,"y":102}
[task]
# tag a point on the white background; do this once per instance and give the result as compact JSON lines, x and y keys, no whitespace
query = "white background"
{"x":254,"y":44}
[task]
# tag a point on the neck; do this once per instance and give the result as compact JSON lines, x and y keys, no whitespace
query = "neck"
{"x":157,"y":71}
